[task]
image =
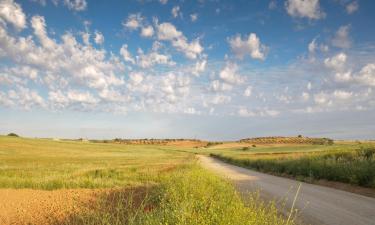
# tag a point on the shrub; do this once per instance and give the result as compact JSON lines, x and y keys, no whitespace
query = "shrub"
{"x":12,"y":135}
{"x":245,"y":149}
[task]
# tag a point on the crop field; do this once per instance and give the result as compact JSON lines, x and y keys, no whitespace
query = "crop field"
{"x":69,"y":182}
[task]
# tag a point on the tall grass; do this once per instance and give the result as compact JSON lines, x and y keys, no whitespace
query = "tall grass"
{"x":188,"y":196}
{"x":354,"y":167}
{"x":48,"y":164}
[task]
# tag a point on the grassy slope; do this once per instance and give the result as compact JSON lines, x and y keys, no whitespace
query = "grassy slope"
{"x":339,"y":162}
{"x":48,"y":164}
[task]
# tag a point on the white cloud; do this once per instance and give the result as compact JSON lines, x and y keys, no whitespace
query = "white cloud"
{"x":243,"y":112}
{"x":272,"y":4}
{"x":76,"y":5}
{"x":367,"y":75}
{"x":220,"y":99}
{"x":152,"y":58}
{"x":99,"y":38}
{"x":39,"y":26}
{"x":199,"y":67}
{"x":305,"y":96}
{"x":194,"y":17}
{"x":126,"y":55}
{"x":175,"y":11}
{"x":304,"y":8}
{"x":312,"y":46}
{"x":218,"y":86}
{"x":136,"y":78}
{"x":248,"y":91}
{"x":85,"y":97}
{"x":229,"y":74}
{"x":168,"y":32}
{"x":341,"y":38}
{"x":133,"y":22}
{"x":250,"y":45}
{"x":147,"y":31}
{"x":163,"y":2}
{"x":26,"y":98}
{"x":336,"y":62}
{"x":12,"y":13}
{"x":352,"y":7}
{"x":343,"y":95}
{"x":322,"y":98}
{"x":309,"y":86}
{"x":86,"y":38}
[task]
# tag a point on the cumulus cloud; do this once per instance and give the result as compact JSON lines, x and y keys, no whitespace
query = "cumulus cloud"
{"x":99,"y":38}
{"x":352,"y":7}
{"x":193,"y":17}
{"x":343,"y":95}
{"x":175,"y":11}
{"x":341,"y":38}
{"x":76,"y":5}
{"x":336,"y":62}
{"x":199,"y":67}
{"x":147,"y":31}
{"x":12,"y":13}
{"x":153,"y":58}
{"x":126,"y":55}
{"x":250,"y":45}
{"x":163,"y":2}
{"x":304,"y":8}
{"x":229,"y":74}
{"x":168,"y":32}
{"x":133,"y":22}
{"x":248,"y":91}
{"x":367,"y":75}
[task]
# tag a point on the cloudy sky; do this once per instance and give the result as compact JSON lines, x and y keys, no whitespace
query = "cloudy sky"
{"x":209,"y":69}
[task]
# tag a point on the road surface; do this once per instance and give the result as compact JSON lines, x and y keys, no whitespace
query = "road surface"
{"x":315,"y":204}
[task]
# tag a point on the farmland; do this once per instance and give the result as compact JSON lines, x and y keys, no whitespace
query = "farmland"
{"x":68,"y":182}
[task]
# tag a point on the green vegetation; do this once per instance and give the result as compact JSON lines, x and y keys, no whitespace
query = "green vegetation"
{"x":189,"y":195}
{"x":12,"y":135}
{"x":48,"y":164}
{"x":354,"y":166}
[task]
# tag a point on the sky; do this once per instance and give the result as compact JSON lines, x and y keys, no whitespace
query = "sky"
{"x":207,"y":69}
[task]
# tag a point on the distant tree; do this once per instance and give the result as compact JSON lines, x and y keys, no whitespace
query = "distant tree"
{"x":13,"y":135}
{"x":254,"y":146}
{"x":299,"y":136}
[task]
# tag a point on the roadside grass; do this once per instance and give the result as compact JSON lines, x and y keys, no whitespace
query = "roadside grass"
{"x":353,"y":165}
{"x":189,"y":195}
{"x":47,"y":164}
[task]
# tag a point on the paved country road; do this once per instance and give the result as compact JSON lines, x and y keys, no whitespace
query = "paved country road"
{"x":316,"y":204}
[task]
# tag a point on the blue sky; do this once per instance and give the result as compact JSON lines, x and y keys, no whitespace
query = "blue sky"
{"x":192,"y":69}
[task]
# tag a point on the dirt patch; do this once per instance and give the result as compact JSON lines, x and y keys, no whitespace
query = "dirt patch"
{"x":27,"y":206}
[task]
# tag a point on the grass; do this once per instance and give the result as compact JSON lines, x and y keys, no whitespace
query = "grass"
{"x":48,"y":164}
{"x":189,"y":195}
{"x":145,"y":184}
{"x":353,"y":164}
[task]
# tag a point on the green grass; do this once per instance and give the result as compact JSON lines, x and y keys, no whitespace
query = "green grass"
{"x":48,"y":164}
{"x":189,"y":195}
{"x":353,"y":164}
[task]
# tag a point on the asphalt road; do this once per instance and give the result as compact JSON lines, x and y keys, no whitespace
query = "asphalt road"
{"x":315,"y":204}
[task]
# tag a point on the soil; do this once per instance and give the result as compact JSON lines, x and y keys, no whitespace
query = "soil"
{"x":27,"y":206}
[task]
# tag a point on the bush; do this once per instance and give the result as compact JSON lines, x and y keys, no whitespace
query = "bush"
{"x":245,"y":149}
{"x":12,"y":135}
{"x":254,"y":146}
